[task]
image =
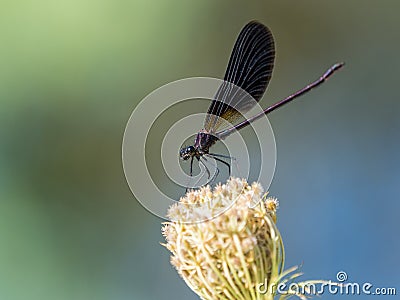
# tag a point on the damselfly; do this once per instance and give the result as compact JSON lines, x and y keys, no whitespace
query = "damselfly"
{"x":246,"y":79}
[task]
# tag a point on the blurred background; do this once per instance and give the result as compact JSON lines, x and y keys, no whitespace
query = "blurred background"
{"x":71,"y":73}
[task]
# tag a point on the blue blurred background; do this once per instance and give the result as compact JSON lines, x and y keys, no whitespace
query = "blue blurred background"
{"x":71,"y":72}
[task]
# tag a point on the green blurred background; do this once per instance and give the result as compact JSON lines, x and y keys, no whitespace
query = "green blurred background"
{"x":71,"y":72}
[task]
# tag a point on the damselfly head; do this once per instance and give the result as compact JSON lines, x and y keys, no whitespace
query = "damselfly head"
{"x":187,"y":152}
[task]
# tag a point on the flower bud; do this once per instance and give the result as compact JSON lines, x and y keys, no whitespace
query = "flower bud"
{"x":224,"y":242}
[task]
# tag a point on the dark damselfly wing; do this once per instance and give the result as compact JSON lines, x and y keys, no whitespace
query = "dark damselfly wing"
{"x":250,"y":68}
